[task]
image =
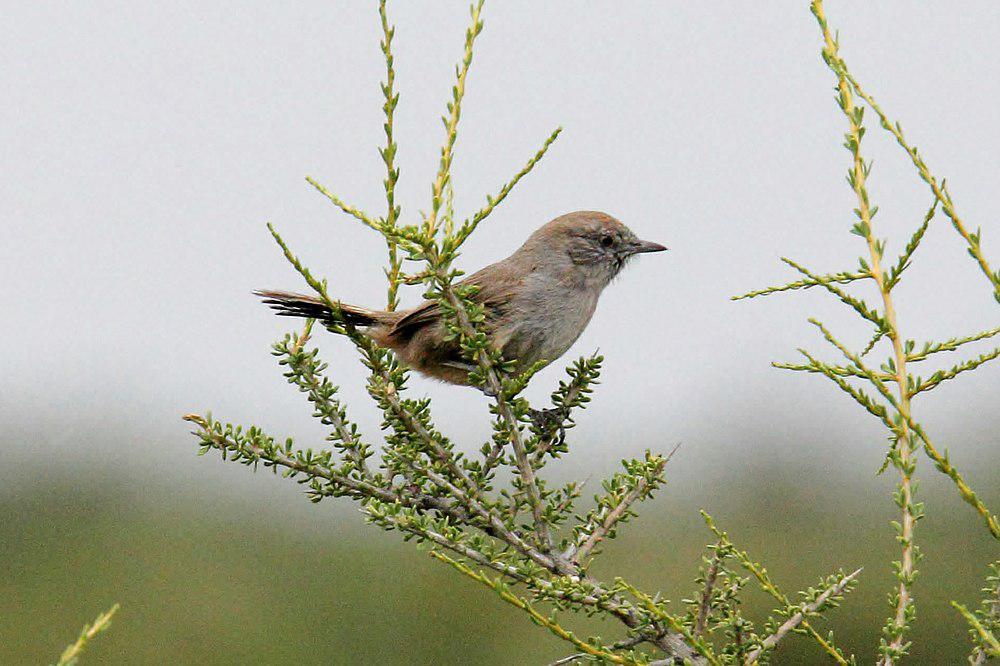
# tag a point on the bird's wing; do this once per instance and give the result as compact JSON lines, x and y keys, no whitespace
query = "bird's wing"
{"x":495,"y":288}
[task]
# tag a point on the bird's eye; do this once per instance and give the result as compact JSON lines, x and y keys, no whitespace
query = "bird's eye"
{"x":607,"y":240}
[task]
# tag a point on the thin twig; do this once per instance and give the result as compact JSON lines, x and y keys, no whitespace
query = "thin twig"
{"x":705,"y":604}
{"x":539,"y":618}
{"x":620,"y":645}
{"x":766,"y":584}
{"x":73,"y":650}
{"x":939,"y":189}
{"x":394,"y":269}
{"x":979,"y":654}
{"x":451,"y":121}
{"x":354,"y":212}
{"x":492,"y":202}
{"x":611,"y":519}
{"x":796,"y":619}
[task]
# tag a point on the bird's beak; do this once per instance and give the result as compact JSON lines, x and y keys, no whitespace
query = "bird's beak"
{"x":641,"y":246}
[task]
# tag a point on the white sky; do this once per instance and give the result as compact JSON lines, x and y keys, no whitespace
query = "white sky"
{"x":144,"y":145}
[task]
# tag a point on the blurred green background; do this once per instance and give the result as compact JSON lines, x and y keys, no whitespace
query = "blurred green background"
{"x":247,"y":571}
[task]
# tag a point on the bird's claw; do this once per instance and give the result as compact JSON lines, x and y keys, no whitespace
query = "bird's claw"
{"x":549,"y":424}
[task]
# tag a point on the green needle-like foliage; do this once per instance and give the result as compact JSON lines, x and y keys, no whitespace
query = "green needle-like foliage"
{"x":817,"y":601}
{"x":892,"y":388}
{"x":71,"y":655}
{"x":984,"y":623}
{"x":491,"y":514}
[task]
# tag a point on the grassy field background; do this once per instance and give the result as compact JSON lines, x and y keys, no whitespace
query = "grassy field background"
{"x":215,"y":566}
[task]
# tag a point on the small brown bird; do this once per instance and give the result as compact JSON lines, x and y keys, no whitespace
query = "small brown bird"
{"x":537,"y":301}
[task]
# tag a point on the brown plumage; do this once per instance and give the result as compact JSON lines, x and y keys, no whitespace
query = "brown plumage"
{"x":537,"y":301}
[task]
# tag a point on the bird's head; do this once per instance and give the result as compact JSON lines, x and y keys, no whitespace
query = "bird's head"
{"x":594,"y":242}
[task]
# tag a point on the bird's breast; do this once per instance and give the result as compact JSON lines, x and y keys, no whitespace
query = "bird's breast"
{"x":550,"y":316}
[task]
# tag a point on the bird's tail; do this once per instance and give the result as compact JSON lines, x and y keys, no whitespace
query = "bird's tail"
{"x":289,"y":304}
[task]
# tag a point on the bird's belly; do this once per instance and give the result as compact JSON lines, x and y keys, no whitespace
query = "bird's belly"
{"x":546,"y":332}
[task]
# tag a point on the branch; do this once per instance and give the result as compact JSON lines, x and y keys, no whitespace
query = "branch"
{"x":252,"y":446}
{"x":705,"y":604}
{"x":766,"y":584}
{"x":597,"y":597}
{"x":797,"y":619}
{"x":990,"y":647}
{"x":838,"y":370}
{"x":858,"y":306}
{"x":569,"y":396}
{"x":644,"y":477}
{"x":545,"y":621}
{"x":494,"y":387}
{"x":493,"y":201}
{"x":862,"y":398}
{"x":683,"y":636}
{"x":394,"y":269}
{"x":943,"y":465}
{"x":944,"y":375}
{"x":305,"y":371}
{"x":72,"y":652}
{"x":620,"y":645}
{"x":896,"y":272}
{"x":356,"y":213}
{"x":879,"y":334}
{"x":451,"y":121}
{"x":989,"y":616}
{"x":808,"y":283}
{"x":939,"y":190}
{"x":946,"y":346}
{"x":902,"y":457}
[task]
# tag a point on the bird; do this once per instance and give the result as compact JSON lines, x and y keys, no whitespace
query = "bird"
{"x":536,"y":302}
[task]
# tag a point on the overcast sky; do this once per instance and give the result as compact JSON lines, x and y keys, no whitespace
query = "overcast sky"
{"x":143,"y":146}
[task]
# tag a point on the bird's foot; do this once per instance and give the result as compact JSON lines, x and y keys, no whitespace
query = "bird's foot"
{"x":549,"y":424}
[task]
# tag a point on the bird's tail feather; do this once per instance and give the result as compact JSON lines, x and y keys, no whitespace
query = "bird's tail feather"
{"x":289,"y":304}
